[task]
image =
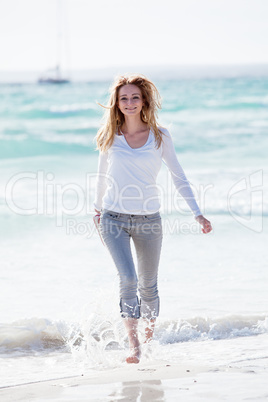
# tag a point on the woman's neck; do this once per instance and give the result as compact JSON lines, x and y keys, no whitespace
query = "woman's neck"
{"x":133,"y":124}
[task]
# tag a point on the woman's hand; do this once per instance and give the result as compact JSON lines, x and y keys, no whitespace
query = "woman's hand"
{"x":97,"y":216}
{"x":205,"y":223}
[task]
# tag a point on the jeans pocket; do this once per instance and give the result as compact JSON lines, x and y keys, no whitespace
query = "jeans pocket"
{"x":152,"y":218}
{"x":112,"y":215}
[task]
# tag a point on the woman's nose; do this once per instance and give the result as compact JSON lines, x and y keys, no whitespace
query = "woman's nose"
{"x":130,"y":101}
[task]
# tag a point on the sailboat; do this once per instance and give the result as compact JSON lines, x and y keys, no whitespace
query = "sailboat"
{"x":54,"y":75}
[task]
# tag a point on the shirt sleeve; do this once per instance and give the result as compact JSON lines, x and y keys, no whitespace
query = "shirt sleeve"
{"x":178,"y":176}
{"x":101,"y":183}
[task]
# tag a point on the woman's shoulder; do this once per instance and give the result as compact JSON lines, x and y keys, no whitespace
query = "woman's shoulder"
{"x":166,"y":139}
{"x":162,"y":130}
{"x":165,"y":134}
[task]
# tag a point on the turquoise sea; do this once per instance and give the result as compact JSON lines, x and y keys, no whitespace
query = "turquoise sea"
{"x":59,"y":306}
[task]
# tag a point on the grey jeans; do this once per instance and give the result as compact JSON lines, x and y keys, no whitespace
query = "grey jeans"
{"x":146,"y":232}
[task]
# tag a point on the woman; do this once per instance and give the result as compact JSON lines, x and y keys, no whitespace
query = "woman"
{"x":132,"y":147}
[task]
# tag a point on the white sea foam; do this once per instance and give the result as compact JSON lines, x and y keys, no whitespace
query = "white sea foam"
{"x":32,"y":334}
{"x":13,"y":137}
{"x":84,"y":140}
{"x":73,"y":107}
{"x":96,"y":333}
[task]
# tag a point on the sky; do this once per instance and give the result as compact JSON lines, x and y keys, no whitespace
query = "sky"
{"x":104,"y":33}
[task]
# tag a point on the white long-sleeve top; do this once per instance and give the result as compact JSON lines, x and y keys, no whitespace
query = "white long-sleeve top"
{"x":126,"y":180}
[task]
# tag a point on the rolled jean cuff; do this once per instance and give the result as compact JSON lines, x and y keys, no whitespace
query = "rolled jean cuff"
{"x":130,"y":308}
{"x":150,"y":310}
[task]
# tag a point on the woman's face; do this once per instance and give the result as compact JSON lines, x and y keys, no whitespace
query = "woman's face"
{"x":130,"y":100}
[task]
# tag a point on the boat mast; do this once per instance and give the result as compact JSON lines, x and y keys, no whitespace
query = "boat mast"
{"x":59,"y":39}
{"x":56,"y":77}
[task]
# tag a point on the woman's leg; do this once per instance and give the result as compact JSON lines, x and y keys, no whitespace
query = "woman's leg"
{"x":148,"y":242}
{"x":115,"y":234}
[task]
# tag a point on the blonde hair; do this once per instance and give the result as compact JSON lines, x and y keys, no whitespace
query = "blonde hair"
{"x":114,"y":118}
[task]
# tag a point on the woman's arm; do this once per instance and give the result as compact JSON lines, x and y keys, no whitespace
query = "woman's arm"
{"x":101,"y":181}
{"x":178,"y":176}
{"x":180,"y":181}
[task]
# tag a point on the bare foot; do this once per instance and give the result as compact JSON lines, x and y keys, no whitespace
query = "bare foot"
{"x":149,"y":331}
{"x":134,"y":356}
{"x":148,"y":335}
{"x":131,"y":325}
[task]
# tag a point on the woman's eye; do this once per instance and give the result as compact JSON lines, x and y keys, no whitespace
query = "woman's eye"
{"x":134,"y":97}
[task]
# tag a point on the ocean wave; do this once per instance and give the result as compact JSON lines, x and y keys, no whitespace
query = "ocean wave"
{"x":73,"y":107}
{"x":38,"y":334}
{"x":33,"y":334}
{"x":13,"y":137}
{"x":199,"y":328}
{"x":47,"y":111}
{"x":45,"y":146}
{"x":240,"y":102}
{"x":84,"y":140}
